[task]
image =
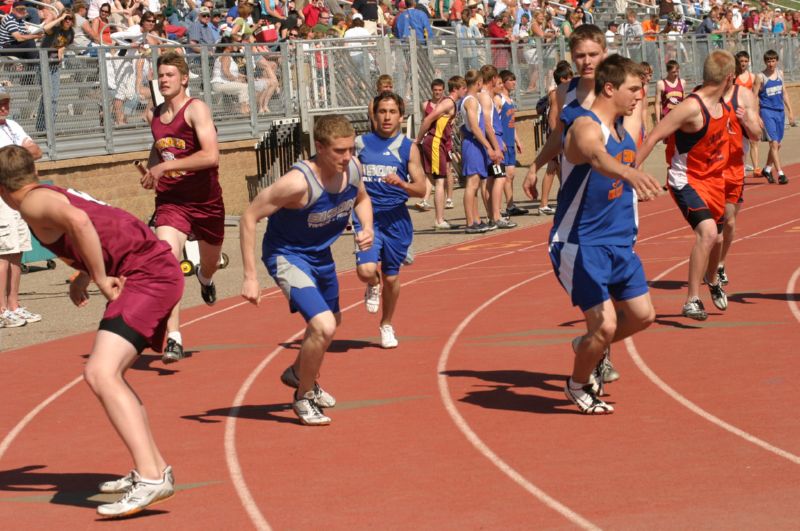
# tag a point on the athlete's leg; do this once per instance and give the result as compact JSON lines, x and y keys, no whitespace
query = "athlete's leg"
{"x":209,"y":258}
{"x":4,"y":272}
{"x":547,"y":183}
{"x":729,"y":229}
{"x":391,"y":293}
{"x":176,"y":240}
{"x":438,"y":198}
{"x":775,"y":159}
{"x":470,"y":191}
{"x":633,"y":315}
{"x":705,"y":239}
{"x":319,"y":334}
{"x":14,"y":279}
{"x":754,"y":155}
{"x":368,"y":273}
{"x":601,"y":326}
{"x":104,"y":372}
{"x":508,"y":186}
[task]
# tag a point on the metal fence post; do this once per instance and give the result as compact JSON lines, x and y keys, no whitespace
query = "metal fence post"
{"x":251,"y":89}
{"x":415,"y":101}
{"x":288,"y":94}
{"x":47,"y":102}
{"x":205,"y":76}
{"x":108,"y":118}
{"x":515,"y":66}
{"x":459,"y":54}
{"x":385,"y":54}
{"x":302,"y":95}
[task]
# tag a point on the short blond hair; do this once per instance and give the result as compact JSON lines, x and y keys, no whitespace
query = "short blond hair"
{"x":718,"y":65}
{"x":332,"y":126}
{"x":175,"y":59}
{"x":16,"y":168}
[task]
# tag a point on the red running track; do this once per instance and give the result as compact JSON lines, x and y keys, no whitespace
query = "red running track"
{"x":463,"y":426}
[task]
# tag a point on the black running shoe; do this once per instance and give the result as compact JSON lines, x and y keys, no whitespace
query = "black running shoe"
{"x":718,"y":296}
{"x":173,"y":352}
{"x":209,"y":293}
{"x":782,"y":179}
{"x":514,"y":210}
{"x":723,"y":277}
{"x":768,"y":176}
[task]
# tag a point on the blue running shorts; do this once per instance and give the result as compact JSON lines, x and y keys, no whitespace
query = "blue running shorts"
{"x":473,"y":159}
{"x":591,"y":274}
{"x":393,"y":234}
{"x":774,"y":124}
{"x":310,"y":285}
{"x":510,"y":156}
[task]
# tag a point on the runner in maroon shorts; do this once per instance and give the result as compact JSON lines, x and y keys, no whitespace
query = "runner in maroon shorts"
{"x":183,"y":169}
{"x":142,"y":282}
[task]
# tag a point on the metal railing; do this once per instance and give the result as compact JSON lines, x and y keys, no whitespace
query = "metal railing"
{"x":94,"y":105}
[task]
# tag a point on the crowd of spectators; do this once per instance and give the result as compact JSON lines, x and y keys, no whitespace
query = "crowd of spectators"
{"x":140,"y":25}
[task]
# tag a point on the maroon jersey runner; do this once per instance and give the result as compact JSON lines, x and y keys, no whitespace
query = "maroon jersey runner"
{"x":153,"y":281}
{"x":190,"y":201}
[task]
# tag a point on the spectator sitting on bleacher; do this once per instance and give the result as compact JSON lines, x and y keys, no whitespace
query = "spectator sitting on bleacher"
{"x":324,"y":23}
{"x":202,"y":31}
{"x":14,"y":33}
{"x":311,"y":12}
{"x":101,"y":31}
{"x":85,"y":37}
{"x":227,"y":78}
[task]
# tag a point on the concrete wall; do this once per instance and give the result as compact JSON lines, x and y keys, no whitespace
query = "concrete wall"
{"x":114,"y":179}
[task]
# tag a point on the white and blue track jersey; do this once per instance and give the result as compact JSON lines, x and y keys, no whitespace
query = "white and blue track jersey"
{"x":572,"y":108}
{"x":594,"y":209}
{"x":380,"y":157}
{"x":507,"y":112}
{"x":770,"y":97}
{"x":311,"y":230}
{"x":466,"y":132}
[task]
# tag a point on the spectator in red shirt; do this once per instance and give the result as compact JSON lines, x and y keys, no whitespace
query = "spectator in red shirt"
{"x":312,"y":11}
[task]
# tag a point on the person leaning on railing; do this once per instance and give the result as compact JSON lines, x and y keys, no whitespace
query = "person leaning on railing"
{"x":58,"y":34}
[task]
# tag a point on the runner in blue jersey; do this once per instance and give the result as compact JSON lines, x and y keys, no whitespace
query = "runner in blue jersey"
{"x":508,"y":110}
{"x":772,"y":99}
{"x":591,"y":243}
{"x":476,"y":150}
{"x":492,"y":186}
{"x":308,"y":208}
{"x":393,"y":171}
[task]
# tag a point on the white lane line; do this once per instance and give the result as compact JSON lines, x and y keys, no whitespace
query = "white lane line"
{"x":231,"y":455}
{"x":791,"y":296}
{"x":691,"y":406}
{"x":472,"y":437}
{"x":35,"y":411}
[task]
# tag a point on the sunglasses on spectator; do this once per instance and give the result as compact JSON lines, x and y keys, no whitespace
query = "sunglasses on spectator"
{"x":106,"y":11}
{"x":204,"y":15}
{"x":148,"y":20}
{"x":293,"y":35}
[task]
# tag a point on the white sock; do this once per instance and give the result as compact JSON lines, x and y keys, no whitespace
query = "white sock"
{"x":176,"y":336}
{"x":768,"y":168}
{"x":203,"y":280}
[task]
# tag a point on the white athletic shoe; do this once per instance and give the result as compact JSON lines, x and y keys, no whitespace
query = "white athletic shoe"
{"x":140,"y":495}
{"x":308,"y":411}
{"x":388,"y":339}
{"x":372,"y":298}
{"x":9,"y":319}
{"x":322,"y":398}
{"x":117,"y":485}
{"x":585,"y":397}
{"x":29,"y":316}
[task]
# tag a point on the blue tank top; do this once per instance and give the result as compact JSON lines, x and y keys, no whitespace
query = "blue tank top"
{"x":507,"y":112}
{"x":594,"y":209}
{"x":497,"y":126}
{"x":771,"y":94}
{"x":572,"y":109}
{"x":380,"y":157}
{"x":465,"y":130}
{"x":311,"y":230}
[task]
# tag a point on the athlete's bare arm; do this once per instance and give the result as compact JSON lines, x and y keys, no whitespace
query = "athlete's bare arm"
{"x":585,"y":144}
{"x":659,"y":91}
{"x":363,"y":210}
{"x":415,"y":188}
{"x":551,"y":147}
{"x":442,"y":108}
{"x":787,"y":103}
{"x":487,"y":108}
{"x":290,"y":191}
{"x":686,"y":116}
{"x":748,"y":115}
{"x":50,"y":216}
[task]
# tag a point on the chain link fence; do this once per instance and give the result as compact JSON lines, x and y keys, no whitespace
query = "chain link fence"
{"x":93,"y":103}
